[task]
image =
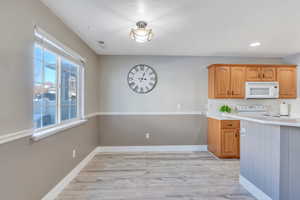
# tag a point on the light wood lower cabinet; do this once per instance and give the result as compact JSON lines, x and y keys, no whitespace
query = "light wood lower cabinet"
{"x":223,"y":138}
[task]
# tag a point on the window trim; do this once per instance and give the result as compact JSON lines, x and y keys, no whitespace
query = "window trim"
{"x":48,"y":40}
{"x":40,"y":133}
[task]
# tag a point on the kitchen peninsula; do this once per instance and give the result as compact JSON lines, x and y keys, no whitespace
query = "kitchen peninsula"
{"x":269,"y":156}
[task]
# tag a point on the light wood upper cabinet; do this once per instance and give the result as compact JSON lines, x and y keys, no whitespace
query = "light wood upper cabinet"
{"x":228,"y":80}
{"x":268,"y":74}
{"x":222,"y":82}
{"x":237,"y":82}
{"x":258,"y":73}
{"x":253,"y":73}
{"x":287,"y":78}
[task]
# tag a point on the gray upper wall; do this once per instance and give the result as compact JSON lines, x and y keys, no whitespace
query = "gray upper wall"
{"x":181,"y":80}
{"x":17,"y":19}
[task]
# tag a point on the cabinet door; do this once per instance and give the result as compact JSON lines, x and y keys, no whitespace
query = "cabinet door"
{"x":211,"y":84}
{"x":253,"y":73}
{"x":286,"y":76}
{"x":222,"y":82}
{"x":229,"y":143}
{"x":268,"y":73}
{"x":238,"y":78}
{"x":211,"y":136}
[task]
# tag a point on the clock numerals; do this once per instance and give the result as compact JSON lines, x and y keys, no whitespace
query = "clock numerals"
{"x":131,"y":84}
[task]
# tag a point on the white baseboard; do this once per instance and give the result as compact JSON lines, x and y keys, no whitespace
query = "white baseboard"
{"x":67,"y":179}
{"x":252,"y":189}
{"x":152,"y":148}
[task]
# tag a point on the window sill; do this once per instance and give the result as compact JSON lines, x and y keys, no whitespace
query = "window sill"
{"x":36,"y":136}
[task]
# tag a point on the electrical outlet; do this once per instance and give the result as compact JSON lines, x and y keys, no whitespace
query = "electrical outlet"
{"x":74,"y":153}
{"x":147,"y":136}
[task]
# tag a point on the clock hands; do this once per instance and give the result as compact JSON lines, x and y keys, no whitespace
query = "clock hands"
{"x":143,"y":78}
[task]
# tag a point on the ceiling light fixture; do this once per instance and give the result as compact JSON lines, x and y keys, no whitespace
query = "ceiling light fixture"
{"x":255,"y":44}
{"x":141,"y":34}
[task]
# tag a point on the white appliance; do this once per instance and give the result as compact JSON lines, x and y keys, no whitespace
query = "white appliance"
{"x":284,"y":109}
{"x":262,"y":90}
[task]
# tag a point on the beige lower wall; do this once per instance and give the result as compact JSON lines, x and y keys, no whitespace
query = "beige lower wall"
{"x":29,"y":169}
{"x":130,"y":130}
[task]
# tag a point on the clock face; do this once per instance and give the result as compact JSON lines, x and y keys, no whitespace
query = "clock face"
{"x":142,"y":79}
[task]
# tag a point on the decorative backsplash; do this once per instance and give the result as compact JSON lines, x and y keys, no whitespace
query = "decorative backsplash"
{"x":272,"y":105}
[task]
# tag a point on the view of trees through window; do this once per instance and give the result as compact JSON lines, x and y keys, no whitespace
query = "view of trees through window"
{"x":53,"y":104}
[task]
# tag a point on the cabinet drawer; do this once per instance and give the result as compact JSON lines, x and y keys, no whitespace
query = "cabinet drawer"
{"x":229,"y":124}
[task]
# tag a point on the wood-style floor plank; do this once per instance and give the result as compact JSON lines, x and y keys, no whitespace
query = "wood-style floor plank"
{"x":161,"y":176}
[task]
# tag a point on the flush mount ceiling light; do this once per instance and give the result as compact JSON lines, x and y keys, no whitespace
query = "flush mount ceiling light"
{"x":255,"y":44}
{"x":141,"y":34}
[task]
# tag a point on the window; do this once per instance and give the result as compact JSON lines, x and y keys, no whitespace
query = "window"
{"x":57,"y":86}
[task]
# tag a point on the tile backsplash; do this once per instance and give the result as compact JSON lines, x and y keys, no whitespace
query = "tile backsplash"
{"x":272,"y":105}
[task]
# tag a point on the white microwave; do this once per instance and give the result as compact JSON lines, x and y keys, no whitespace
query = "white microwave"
{"x":262,"y":90}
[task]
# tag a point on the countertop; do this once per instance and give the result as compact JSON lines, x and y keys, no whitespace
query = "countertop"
{"x":293,"y":121}
{"x":218,"y":116}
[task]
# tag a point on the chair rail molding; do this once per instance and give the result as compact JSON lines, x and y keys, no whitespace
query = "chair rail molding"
{"x":15,"y":136}
{"x":151,"y":113}
{"x":10,"y":137}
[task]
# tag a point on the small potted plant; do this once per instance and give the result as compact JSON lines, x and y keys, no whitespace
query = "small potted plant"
{"x":225,"y":109}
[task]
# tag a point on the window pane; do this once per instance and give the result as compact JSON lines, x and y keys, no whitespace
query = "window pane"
{"x":69,"y":97}
{"x":38,"y":53}
{"x":50,"y":89}
{"x":45,"y":105}
{"x":45,"y":90}
{"x":38,"y":71}
{"x":37,"y":105}
{"x":38,"y":87}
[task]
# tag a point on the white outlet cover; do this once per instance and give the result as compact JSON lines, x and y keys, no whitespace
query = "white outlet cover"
{"x":147,"y":135}
{"x":179,"y":106}
{"x":74,"y":154}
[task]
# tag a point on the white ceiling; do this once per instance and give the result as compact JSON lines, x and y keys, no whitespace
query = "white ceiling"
{"x":186,"y":27}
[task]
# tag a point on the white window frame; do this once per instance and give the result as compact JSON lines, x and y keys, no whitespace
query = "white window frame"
{"x":62,"y":52}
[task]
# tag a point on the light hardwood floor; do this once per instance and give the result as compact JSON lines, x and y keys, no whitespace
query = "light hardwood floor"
{"x":157,"y":176}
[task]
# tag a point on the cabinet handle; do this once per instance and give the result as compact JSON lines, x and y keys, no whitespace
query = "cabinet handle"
{"x":237,"y":133}
{"x":232,"y":92}
{"x":263,"y":75}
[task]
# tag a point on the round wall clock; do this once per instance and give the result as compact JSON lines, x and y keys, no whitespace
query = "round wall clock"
{"x":142,"y":79}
